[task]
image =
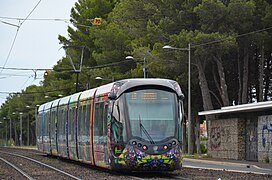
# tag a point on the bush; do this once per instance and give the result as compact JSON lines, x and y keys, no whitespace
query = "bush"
{"x":203,"y":149}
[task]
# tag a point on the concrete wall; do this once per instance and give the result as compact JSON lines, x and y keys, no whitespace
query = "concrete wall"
{"x":227,"y":138}
{"x":265,"y":138}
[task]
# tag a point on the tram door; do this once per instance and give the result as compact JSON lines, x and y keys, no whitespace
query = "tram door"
{"x":100,"y":133}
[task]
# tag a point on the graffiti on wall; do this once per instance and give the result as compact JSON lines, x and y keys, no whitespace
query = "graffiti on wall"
{"x":218,"y":133}
{"x":215,"y":141}
{"x":266,"y":132}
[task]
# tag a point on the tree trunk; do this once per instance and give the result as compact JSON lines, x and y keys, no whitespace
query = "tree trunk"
{"x":239,"y":79}
{"x":245,"y":77}
{"x":197,"y":135}
{"x":223,"y":85}
{"x":267,"y":78}
{"x":261,"y":75}
{"x":206,"y":97}
{"x":15,"y":135}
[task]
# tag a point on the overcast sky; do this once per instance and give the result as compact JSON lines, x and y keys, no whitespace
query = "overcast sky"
{"x":36,"y":45}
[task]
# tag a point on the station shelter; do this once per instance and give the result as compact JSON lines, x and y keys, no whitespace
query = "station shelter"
{"x":241,"y":132}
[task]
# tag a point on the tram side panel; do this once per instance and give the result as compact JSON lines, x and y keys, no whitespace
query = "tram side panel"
{"x":84,"y":139}
{"x":39,"y":131}
{"x":46,"y":139}
{"x":71,"y":132}
{"x":100,"y":129}
{"x":62,"y":131}
{"x":53,"y":130}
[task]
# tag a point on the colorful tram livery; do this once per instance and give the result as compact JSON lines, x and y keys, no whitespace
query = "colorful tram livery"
{"x":132,"y":124}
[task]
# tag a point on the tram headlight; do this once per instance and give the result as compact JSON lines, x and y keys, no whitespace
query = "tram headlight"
{"x":145,"y":147}
{"x":165,"y":147}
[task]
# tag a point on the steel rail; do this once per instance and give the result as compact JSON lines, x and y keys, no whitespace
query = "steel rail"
{"x":17,"y":169}
{"x":43,"y":164}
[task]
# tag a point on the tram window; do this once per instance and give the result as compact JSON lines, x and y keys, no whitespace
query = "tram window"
{"x":105,"y":117}
{"x":98,"y":119}
{"x":80,"y":120}
{"x":119,"y":121}
{"x":87,"y":124}
{"x":60,"y":122}
{"x":52,"y":125}
{"x":71,"y":122}
{"x":84,"y":120}
{"x":154,"y":110}
{"x":84,"y":111}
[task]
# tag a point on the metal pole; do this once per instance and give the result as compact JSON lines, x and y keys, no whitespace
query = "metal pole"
{"x":77,"y":73}
{"x":10,"y":131}
{"x":28,"y":129}
{"x":21,"y":129}
{"x":144,"y":68}
{"x":6,"y":133}
{"x":190,"y":145}
{"x":2,"y":136}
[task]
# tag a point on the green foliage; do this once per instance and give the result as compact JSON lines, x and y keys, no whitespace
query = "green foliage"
{"x":203,"y":149}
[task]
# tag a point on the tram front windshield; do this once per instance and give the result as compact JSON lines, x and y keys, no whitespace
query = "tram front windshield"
{"x":152,"y":114}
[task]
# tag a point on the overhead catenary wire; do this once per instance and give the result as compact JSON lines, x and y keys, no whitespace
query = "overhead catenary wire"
{"x":116,"y":63}
{"x":18,"y":27}
{"x":237,"y":36}
{"x":11,"y":48}
{"x":67,"y":21}
{"x":33,"y":19}
{"x":36,"y":92}
{"x":31,"y":12}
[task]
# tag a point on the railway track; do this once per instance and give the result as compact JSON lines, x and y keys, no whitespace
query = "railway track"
{"x":79,"y":170}
{"x":34,"y":169}
{"x":85,"y":171}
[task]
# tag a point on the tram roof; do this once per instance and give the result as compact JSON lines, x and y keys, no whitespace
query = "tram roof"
{"x":88,"y":94}
{"x":64,"y":100}
{"x":47,"y":106}
{"x":244,"y":108}
{"x":104,"y":89}
{"x":74,"y":97}
{"x":41,"y":107}
{"x":55,"y":102}
{"x":130,"y":83}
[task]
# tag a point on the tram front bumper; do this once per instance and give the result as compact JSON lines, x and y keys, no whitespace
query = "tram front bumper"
{"x":135,"y":160}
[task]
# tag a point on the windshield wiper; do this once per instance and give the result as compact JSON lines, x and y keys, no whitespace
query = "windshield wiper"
{"x":142,"y":128}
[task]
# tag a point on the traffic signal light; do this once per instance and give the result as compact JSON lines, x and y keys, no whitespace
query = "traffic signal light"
{"x":46,"y":73}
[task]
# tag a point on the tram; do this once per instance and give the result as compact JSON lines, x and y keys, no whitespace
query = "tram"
{"x":131,"y":124}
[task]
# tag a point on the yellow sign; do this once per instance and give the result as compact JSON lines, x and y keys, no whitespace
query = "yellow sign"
{"x":97,"y":21}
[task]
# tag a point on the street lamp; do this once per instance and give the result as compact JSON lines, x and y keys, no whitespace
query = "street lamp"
{"x":144,"y":60}
{"x":46,"y":97}
{"x":21,"y":129}
{"x":2,"y":137}
{"x":5,"y":119}
{"x":101,"y":79}
{"x":27,"y":125}
{"x":190,"y":145}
